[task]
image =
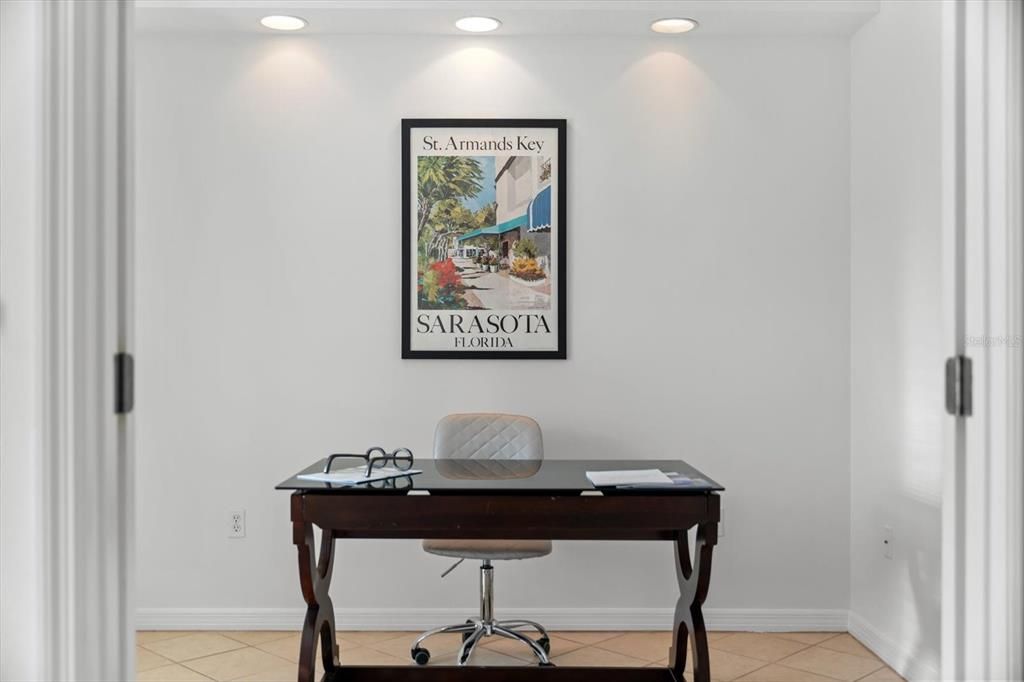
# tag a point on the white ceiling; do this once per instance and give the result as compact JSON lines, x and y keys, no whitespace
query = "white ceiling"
{"x":519,"y":17}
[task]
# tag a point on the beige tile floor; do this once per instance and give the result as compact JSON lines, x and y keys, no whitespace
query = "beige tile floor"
{"x":271,"y":656}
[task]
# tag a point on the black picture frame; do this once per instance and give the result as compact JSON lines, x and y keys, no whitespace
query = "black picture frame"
{"x":409,"y":292}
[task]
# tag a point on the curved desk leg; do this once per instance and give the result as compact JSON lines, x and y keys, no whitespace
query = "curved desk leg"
{"x":315,"y":579}
{"x":694,"y":578}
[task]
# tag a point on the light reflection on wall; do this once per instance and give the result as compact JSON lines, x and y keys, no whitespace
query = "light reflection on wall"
{"x":476,"y":77}
{"x":665,"y":75}
{"x":660,"y":89}
{"x":919,"y":391}
{"x":288,"y":73}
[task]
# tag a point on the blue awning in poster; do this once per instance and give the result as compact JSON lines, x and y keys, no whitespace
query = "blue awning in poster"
{"x":500,"y":228}
{"x":539,"y":211}
{"x":536,"y":218}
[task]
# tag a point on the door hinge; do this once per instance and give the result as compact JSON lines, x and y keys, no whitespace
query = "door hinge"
{"x":124,"y":383}
{"x":958,"y":386}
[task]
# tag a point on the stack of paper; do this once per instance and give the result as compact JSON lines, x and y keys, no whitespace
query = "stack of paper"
{"x":357,"y":475}
{"x":629,"y":477}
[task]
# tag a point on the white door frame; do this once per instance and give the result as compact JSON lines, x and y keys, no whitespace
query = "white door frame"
{"x":983,"y":505}
{"x":77,"y":302}
{"x":86,"y":303}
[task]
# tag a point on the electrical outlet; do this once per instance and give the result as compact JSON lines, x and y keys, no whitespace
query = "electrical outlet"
{"x":236,"y":527}
{"x":888,"y":542}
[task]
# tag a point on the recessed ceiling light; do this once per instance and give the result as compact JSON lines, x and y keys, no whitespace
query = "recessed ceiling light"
{"x":282,"y":22}
{"x":477,"y":24}
{"x":674,"y":25}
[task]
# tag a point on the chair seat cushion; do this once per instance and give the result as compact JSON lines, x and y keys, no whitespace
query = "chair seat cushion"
{"x":488,"y":549}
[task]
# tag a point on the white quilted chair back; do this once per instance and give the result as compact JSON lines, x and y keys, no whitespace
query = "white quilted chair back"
{"x":488,"y":469}
{"x":488,"y":436}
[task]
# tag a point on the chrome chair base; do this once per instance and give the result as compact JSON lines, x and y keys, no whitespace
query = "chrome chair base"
{"x":474,"y":630}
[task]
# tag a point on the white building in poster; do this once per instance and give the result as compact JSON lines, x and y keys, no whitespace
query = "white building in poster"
{"x":522,"y":189}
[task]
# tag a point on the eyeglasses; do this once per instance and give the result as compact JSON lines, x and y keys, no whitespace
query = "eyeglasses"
{"x":377,"y":458}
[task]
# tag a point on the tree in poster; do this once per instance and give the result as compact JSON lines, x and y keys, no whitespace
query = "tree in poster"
{"x":443,"y":183}
{"x":449,"y":218}
{"x":441,"y":178}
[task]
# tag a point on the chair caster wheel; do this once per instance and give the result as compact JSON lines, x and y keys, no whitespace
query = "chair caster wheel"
{"x":420,"y":655}
{"x":545,"y":644}
{"x":549,"y":664}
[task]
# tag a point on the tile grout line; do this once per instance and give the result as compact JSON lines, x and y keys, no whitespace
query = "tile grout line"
{"x":819,"y":674}
{"x":871,"y":657}
{"x":286,"y":635}
{"x":180,"y":665}
{"x":241,"y":644}
{"x":614,"y":635}
{"x":806,"y":647}
{"x":832,"y":651}
{"x":820,"y":648}
{"x":884,"y":665}
{"x":798,"y":670}
{"x":247,"y":646}
{"x":760,"y":667}
{"x":597,"y":645}
{"x":217,"y":653}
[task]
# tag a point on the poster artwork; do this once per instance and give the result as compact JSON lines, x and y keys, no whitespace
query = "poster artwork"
{"x":484,"y":239}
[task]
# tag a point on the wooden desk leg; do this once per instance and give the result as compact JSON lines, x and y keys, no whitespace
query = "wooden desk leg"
{"x":315,"y":579}
{"x":694,"y":579}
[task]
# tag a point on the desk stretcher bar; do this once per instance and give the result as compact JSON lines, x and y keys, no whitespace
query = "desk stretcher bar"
{"x":397,"y":673}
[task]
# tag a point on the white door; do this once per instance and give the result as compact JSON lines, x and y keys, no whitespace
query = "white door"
{"x":68,"y":220}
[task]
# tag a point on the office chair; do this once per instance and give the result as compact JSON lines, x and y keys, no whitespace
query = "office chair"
{"x":487,"y":446}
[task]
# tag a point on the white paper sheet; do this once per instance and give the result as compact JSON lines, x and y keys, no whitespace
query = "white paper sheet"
{"x":628,"y":477}
{"x":356,"y":475}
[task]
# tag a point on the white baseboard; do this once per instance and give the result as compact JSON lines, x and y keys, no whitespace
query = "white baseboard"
{"x":774,"y":620}
{"x":897,"y":656}
{"x":758,"y":620}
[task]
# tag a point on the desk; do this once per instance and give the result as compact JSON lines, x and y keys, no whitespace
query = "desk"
{"x":553,"y":500}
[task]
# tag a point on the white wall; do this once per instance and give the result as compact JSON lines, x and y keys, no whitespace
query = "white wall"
{"x":896,"y":364}
{"x":708,"y":303}
{"x":22,"y":587}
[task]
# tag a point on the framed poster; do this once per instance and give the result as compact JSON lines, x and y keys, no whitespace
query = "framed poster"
{"x":483,"y":238}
